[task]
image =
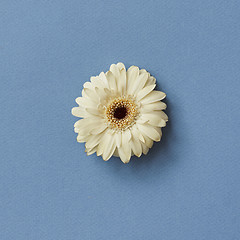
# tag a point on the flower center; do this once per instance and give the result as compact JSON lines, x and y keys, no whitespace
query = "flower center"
{"x":121,"y":113}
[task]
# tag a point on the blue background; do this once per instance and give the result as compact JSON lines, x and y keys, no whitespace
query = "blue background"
{"x":187,"y":187}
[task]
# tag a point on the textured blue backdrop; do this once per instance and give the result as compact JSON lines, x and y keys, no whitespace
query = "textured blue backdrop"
{"x":186,"y":188}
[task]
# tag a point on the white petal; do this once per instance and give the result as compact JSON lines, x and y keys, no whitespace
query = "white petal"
{"x":141,"y":121}
{"x":111,"y":80}
{"x":148,"y":142}
{"x":110,"y":146}
{"x":93,"y":111}
{"x":85,"y":131}
{"x":153,"y":107}
{"x":163,"y":115}
{"x":98,"y":129}
{"x":136,"y":147}
{"x":149,"y":131}
{"x":88,"y":85}
{"x":154,"y":119}
{"x":151,"y":80}
{"x":121,"y":66}
{"x":86,"y":121}
{"x":101,"y":93}
{"x":103,"y":78}
{"x":126,"y":136}
{"x":122,"y":82}
{"x":115,"y":70}
{"x":76,"y":130}
{"x":93,"y":141}
{"x":82,"y":138}
{"x":153,"y":96}
{"x":127,"y":150}
{"x":123,"y":156}
{"x":143,"y":71}
{"x":115,"y":154}
{"x":135,"y":143}
{"x":118,"y":139}
{"x":101,"y":145}
{"x":136,"y":133}
{"x":78,"y":112}
{"x":145,"y":149}
{"x":91,"y":151}
{"x":97,"y":82}
{"x":85,"y":102}
{"x":141,"y":138}
{"x":159,"y":130}
{"x":79,"y":123}
{"x":132,"y":74}
{"x":158,"y":114}
{"x":91,"y":94}
{"x":85,"y":126}
{"x":139,"y":83}
{"x":146,"y":90}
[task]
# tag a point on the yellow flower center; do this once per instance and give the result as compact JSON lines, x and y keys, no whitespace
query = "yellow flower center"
{"x":121,"y":113}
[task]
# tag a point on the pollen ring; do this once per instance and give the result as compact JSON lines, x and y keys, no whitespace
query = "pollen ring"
{"x":121,"y":113}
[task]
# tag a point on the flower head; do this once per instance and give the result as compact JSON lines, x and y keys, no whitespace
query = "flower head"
{"x":121,"y":113}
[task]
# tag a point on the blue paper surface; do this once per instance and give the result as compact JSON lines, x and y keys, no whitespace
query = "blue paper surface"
{"x":186,"y":188}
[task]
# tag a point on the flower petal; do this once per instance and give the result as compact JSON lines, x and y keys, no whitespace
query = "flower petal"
{"x":111,"y":80}
{"x":126,"y":136}
{"x":149,"y":131}
{"x":101,"y":145}
{"x":163,"y":115}
{"x":139,"y":83}
{"x":88,"y":121}
{"x":153,"y":107}
{"x":115,"y":70}
{"x":91,"y":94}
{"x":91,"y":151}
{"x":97,"y":82}
{"x":151,"y":80}
{"x":93,"y":111}
{"x":122,"y":82}
{"x":123,"y":156}
{"x":110,"y":146}
{"x":154,"y":118}
{"x":148,"y":142}
{"x":86,"y":125}
{"x":82,"y":138}
{"x":93,"y":141}
{"x":136,"y":147}
{"x":78,"y":112}
{"x":98,"y":129}
{"x":121,"y":66}
{"x":153,"y":96}
{"x":88,"y":85}
{"x":135,"y":143}
{"x":146,"y":90}
{"x":155,"y":114}
{"x":118,"y":136}
{"x":85,"y":102}
{"x":103,"y":78}
{"x":127,"y":150}
{"x":132,"y":74}
{"x":144,"y":148}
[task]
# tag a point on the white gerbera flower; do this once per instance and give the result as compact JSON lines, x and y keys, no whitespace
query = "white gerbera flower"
{"x":122,"y":114}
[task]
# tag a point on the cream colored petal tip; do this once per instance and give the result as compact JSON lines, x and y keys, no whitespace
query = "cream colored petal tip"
{"x":121,"y":113}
